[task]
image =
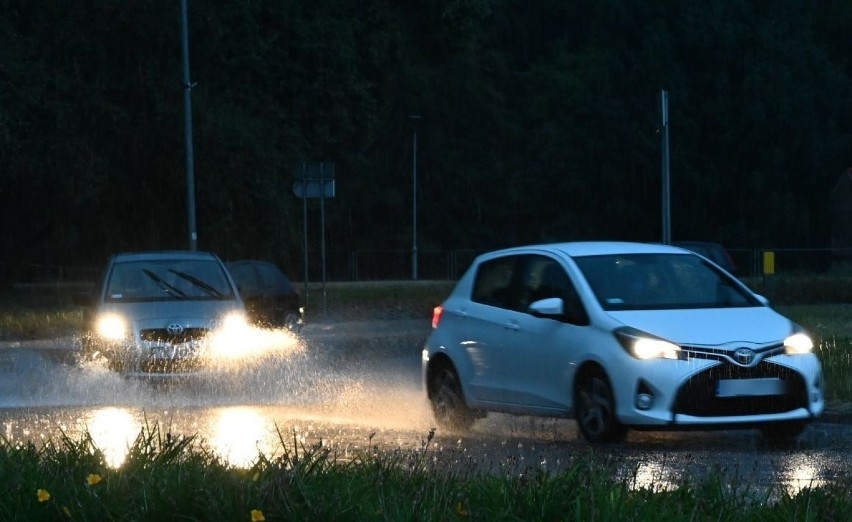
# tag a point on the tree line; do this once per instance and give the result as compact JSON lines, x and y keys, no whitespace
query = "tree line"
{"x":538,"y":121}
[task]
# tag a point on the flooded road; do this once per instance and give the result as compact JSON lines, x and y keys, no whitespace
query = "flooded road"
{"x":352,"y":387}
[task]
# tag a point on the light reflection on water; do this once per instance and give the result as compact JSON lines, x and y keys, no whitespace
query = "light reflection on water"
{"x":239,"y":435}
{"x":113,"y":431}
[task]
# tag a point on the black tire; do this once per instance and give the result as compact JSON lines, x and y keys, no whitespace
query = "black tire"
{"x":447,"y":400}
{"x":594,"y":407}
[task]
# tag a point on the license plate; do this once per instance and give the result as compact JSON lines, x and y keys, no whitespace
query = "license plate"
{"x":750,"y":387}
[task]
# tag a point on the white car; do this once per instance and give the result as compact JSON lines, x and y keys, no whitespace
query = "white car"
{"x":617,"y":335}
{"x":162,"y":311}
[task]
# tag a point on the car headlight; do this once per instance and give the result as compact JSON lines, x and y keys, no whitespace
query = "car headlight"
{"x":798,"y":343}
{"x":235,"y":322}
{"x":112,"y":327}
{"x":645,"y":346}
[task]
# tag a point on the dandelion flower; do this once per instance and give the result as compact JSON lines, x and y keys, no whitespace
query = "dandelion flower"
{"x":257,"y":515}
{"x":93,"y":479}
{"x":43,"y":495}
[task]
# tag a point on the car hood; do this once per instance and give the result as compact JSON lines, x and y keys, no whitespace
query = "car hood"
{"x":188,"y":313}
{"x":712,"y":326}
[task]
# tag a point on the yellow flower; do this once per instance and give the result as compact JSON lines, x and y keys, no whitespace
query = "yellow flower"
{"x":93,"y":479}
{"x":257,"y":515}
{"x":43,"y":495}
{"x":461,"y":510}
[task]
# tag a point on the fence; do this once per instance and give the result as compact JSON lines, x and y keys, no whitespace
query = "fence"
{"x":375,"y":265}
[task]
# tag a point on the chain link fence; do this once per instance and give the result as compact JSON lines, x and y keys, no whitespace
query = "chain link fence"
{"x":48,"y":284}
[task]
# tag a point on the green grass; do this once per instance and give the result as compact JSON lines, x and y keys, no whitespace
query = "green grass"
{"x":176,"y":478}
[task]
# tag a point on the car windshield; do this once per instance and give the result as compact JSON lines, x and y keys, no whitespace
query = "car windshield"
{"x":167,"y":280}
{"x":660,"y":282}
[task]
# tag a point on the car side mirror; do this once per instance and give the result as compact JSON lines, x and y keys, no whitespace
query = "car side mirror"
{"x":552,"y":308}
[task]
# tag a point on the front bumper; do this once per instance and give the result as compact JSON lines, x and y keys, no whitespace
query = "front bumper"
{"x":695,"y":394}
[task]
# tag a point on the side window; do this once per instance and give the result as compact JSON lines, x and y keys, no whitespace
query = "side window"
{"x":543,"y":278}
{"x":494,"y":280}
{"x":269,"y":276}
{"x":244,"y":276}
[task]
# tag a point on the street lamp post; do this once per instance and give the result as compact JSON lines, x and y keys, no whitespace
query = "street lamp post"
{"x":187,"y":101}
{"x":414,"y":118}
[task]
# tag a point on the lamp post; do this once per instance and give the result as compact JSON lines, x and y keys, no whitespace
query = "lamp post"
{"x":187,"y":100}
{"x":414,"y":118}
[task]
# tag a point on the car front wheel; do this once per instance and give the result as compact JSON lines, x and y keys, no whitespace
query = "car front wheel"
{"x":447,"y":400}
{"x":595,"y":409}
{"x":291,"y":322}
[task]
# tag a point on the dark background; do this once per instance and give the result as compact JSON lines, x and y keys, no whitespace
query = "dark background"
{"x":539,"y":122}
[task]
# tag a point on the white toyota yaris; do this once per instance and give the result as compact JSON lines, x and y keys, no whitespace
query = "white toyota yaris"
{"x":617,"y":335}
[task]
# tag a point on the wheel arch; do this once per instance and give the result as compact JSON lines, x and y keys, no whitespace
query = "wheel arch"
{"x":436,"y":362}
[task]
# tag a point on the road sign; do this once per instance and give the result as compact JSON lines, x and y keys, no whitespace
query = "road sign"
{"x":314,"y":188}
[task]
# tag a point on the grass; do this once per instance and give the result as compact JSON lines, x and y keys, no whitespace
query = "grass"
{"x":168,"y":478}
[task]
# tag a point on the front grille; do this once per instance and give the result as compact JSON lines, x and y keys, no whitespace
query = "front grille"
{"x":162,"y":336}
{"x":698,"y":397}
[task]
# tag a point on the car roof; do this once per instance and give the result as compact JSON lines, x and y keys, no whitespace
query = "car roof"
{"x":598,"y":248}
{"x":249,"y":262}
{"x":162,"y":255}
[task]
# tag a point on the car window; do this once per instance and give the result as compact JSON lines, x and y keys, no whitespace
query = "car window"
{"x":244,"y":276}
{"x":494,"y":280}
{"x":660,"y":281}
{"x":272,"y":277}
{"x":543,"y":277}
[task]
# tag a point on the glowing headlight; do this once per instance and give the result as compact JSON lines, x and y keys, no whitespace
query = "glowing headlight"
{"x":642,"y":346}
{"x":235,"y":322}
{"x":112,"y":327}
{"x":798,"y":344}
{"x":654,"y":349}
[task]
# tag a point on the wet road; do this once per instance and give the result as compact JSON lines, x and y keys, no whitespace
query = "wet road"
{"x":350,"y":387}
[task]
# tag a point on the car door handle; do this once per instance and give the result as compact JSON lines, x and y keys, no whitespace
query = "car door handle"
{"x":512,"y":326}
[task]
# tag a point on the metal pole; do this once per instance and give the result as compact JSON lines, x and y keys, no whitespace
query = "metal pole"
{"x":414,"y":118}
{"x":305,"y":226}
{"x":190,"y":160}
{"x":666,"y":211}
{"x":322,"y":237}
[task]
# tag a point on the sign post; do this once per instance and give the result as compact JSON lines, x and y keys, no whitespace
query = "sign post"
{"x":314,"y":181}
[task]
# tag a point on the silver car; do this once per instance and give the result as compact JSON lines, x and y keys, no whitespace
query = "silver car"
{"x":161,"y":311}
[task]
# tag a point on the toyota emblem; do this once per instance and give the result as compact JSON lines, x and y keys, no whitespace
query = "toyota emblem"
{"x":174,"y":329}
{"x":744,"y":356}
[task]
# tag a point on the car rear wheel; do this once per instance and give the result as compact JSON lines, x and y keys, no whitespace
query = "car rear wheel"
{"x":594,"y":406}
{"x":447,"y":400}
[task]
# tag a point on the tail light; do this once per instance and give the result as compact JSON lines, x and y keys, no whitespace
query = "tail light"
{"x":436,"y":315}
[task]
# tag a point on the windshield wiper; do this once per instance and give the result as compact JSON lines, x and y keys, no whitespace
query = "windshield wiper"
{"x":203,"y":285}
{"x":171,"y":290}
